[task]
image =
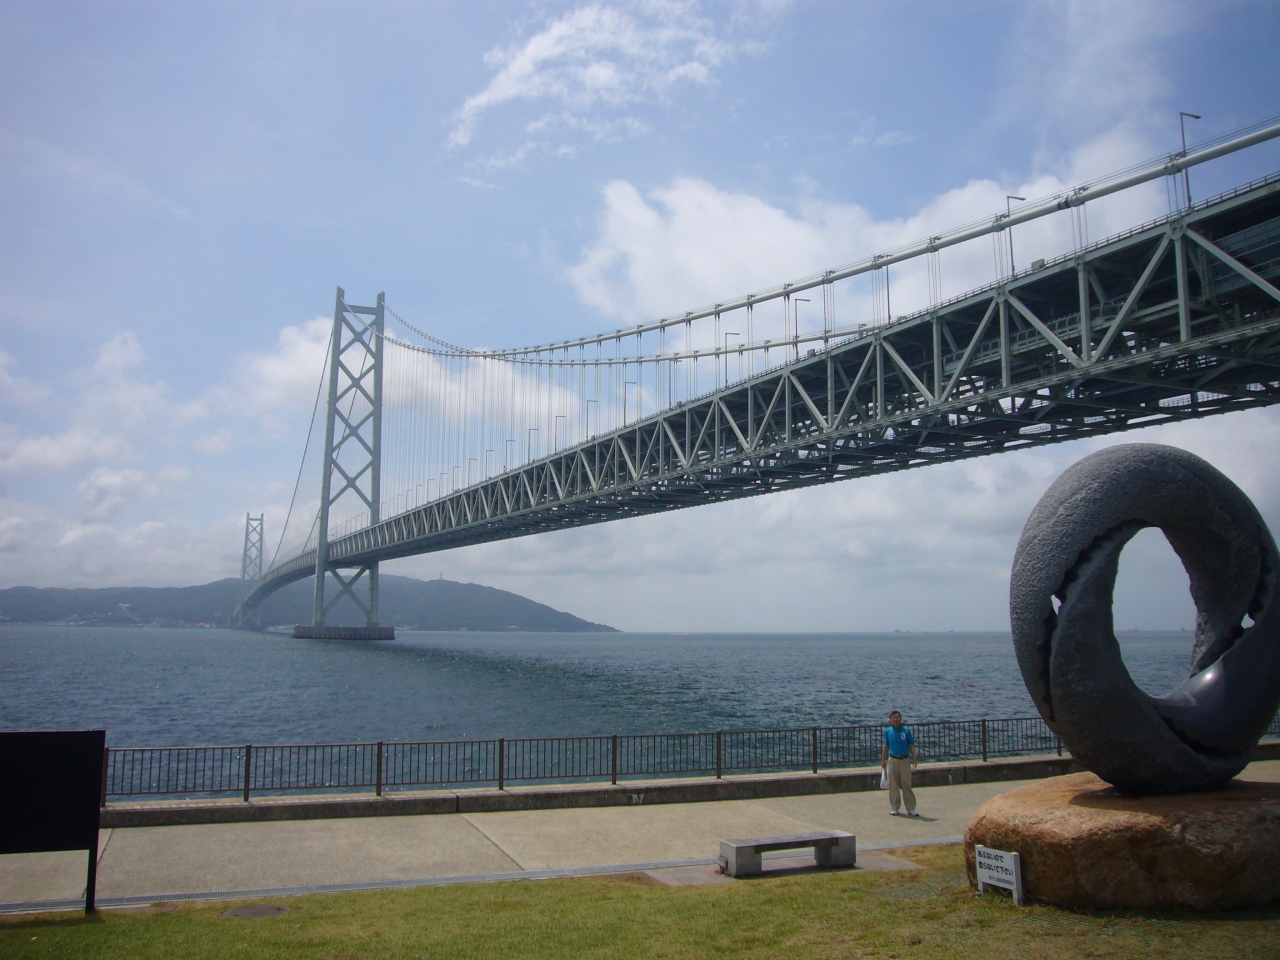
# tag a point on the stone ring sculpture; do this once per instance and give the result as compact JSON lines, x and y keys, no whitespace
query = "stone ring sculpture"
{"x":1203,"y":733}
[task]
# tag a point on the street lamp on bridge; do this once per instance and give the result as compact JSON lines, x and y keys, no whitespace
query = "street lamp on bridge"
{"x":1008,"y":214}
{"x":1186,"y":173}
{"x":795,"y":326}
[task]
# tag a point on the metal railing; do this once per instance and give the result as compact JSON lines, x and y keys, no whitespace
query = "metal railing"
{"x":281,"y":768}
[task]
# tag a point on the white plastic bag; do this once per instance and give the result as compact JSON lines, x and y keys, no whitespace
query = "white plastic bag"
{"x":884,"y":779}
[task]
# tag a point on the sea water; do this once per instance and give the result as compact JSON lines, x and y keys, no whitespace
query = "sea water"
{"x":159,"y":687}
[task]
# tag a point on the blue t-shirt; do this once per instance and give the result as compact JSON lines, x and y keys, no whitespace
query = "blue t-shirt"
{"x":899,"y":741}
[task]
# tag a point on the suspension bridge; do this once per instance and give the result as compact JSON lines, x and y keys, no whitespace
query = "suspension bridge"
{"x":424,"y":445}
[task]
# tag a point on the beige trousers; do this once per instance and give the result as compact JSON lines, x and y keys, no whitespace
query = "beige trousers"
{"x":900,"y":784}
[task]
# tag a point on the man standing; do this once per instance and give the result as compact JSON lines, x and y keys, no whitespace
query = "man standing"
{"x":897,"y":758}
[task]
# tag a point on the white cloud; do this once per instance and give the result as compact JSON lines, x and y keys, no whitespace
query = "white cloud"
{"x":760,"y":11}
{"x":687,"y":244}
{"x":111,"y":408}
{"x":106,"y":490}
{"x":220,"y":441}
{"x":598,"y":58}
{"x":690,"y":243}
{"x":285,"y":379}
{"x":1102,"y":69}
{"x":122,"y":352}
{"x":867,"y":136}
{"x":34,"y":457}
{"x":43,"y":546}
{"x":17,"y":390}
{"x":118,"y":455}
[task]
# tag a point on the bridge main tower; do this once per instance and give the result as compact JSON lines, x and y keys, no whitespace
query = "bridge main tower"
{"x":251,"y":560}
{"x":352,"y":461}
{"x":246,"y":618}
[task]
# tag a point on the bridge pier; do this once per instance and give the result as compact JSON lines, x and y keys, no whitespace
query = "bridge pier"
{"x":305,"y":631}
{"x":346,"y":588}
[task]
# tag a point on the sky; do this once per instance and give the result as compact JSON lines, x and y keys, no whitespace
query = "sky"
{"x":182,"y":186}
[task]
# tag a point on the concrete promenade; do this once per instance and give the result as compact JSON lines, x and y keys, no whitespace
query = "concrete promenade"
{"x":221,"y":860}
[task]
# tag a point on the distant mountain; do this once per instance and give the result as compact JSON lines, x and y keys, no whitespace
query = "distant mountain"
{"x":403,"y":602}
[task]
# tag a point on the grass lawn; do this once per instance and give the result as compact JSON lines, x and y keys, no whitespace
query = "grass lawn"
{"x":926,"y":913}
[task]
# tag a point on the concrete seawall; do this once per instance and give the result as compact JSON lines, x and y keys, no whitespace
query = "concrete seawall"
{"x":565,"y":796}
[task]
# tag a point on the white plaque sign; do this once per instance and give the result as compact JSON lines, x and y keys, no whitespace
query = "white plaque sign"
{"x":999,"y":868}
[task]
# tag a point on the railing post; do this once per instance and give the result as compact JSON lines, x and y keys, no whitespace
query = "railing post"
{"x":815,"y":749}
{"x":613,"y":762}
{"x":719,"y":754}
{"x":91,"y":883}
{"x":1059,"y":739}
{"x":248,"y":754}
{"x":502,"y":749}
{"x":106,"y":753}
{"x":378,"y":789}
{"x":984,"y":741}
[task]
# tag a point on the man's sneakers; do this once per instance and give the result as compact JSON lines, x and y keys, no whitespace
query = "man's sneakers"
{"x":912,"y":813}
{"x":894,"y":813}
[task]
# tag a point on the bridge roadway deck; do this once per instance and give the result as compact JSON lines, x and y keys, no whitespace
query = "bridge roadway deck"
{"x":1175,"y":319}
{"x":677,"y":843}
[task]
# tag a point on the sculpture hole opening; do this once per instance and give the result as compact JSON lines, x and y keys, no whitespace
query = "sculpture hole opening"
{"x":1153,"y":613}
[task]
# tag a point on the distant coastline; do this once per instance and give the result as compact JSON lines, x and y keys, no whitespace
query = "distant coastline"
{"x":432,"y":605}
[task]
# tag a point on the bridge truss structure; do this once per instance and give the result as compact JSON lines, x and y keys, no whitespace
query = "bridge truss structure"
{"x":1175,"y":319}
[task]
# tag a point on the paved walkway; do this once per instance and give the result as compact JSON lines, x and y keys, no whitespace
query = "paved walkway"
{"x":186,"y":861}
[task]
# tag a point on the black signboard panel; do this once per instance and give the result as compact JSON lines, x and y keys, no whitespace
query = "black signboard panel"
{"x":50,"y":791}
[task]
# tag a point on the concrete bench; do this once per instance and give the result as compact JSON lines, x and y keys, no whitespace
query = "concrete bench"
{"x":831,"y":848}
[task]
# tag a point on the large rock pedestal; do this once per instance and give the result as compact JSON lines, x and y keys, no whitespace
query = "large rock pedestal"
{"x":1083,"y":844}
